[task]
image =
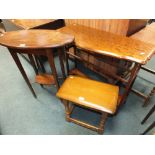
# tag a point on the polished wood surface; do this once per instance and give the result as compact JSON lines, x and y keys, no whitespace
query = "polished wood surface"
{"x":147,"y":34}
{"x":35,"y":39}
{"x":30,"y":23}
{"x":110,"y":44}
{"x":35,"y":42}
{"x":90,"y":93}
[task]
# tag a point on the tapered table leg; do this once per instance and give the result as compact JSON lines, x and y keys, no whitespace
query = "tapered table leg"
{"x":33,"y":63}
{"x":148,"y":115}
{"x":61,"y":62}
{"x":66,"y":59}
{"x":20,"y":67}
{"x":52,"y":65}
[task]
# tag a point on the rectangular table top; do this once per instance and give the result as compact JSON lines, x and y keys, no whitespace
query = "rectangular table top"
{"x":110,"y":44}
{"x":147,"y":34}
{"x":30,"y":23}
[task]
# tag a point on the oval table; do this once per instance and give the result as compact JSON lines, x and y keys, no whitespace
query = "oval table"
{"x":36,"y":42}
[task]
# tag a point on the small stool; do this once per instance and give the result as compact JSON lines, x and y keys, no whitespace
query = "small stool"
{"x":90,"y":94}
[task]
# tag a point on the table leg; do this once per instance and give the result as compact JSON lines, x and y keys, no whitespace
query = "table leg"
{"x":75,"y":52}
{"x":39,"y":64}
{"x":20,"y":67}
{"x":149,"y":128}
{"x":66,"y":58}
{"x":33,"y":63}
{"x":149,"y":97}
{"x":61,"y":62}
{"x":130,"y":83}
{"x":52,"y":65}
{"x":148,"y":115}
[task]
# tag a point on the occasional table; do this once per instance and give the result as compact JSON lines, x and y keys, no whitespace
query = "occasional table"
{"x":98,"y":43}
{"x":26,"y":24}
{"x":37,"y":42}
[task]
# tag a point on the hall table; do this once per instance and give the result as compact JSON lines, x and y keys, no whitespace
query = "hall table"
{"x":36,"y":42}
{"x":99,"y":43}
{"x":27,"y":24}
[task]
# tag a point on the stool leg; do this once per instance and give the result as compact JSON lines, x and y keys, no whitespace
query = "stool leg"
{"x":148,"y":115}
{"x":149,"y":128}
{"x":61,"y":62}
{"x":20,"y":67}
{"x":102,"y":122}
{"x":67,"y":111}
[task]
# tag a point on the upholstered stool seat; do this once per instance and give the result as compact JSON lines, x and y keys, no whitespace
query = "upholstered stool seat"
{"x":90,"y":94}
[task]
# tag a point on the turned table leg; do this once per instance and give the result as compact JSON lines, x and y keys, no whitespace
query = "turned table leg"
{"x":67,"y":110}
{"x":102,"y":122}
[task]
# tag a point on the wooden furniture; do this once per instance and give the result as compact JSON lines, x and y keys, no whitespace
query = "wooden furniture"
{"x":123,"y":27}
{"x":26,"y":24}
{"x":98,"y":43}
{"x":147,"y":35}
{"x":91,"y":94}
{"x":37,"y":42}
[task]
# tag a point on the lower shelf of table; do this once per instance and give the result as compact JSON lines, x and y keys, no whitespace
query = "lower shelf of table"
{"x":45,"y":79}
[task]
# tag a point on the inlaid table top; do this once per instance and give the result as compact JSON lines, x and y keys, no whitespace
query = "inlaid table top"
{"x":110,"y":44}
{"x":30,"y":23}
{"x":35,"y":39}
{"x":147,"y":34}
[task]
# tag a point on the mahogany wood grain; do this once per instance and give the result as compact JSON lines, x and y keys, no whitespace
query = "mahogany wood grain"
{"x":36,"y":42}
{"x":32,"y":39}
{"x":110,"y":44}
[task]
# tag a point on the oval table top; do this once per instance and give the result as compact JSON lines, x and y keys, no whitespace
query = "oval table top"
{"x":35,"y":39}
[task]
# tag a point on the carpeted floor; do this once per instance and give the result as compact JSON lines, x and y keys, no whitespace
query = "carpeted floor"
{"x":21,"y":113}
